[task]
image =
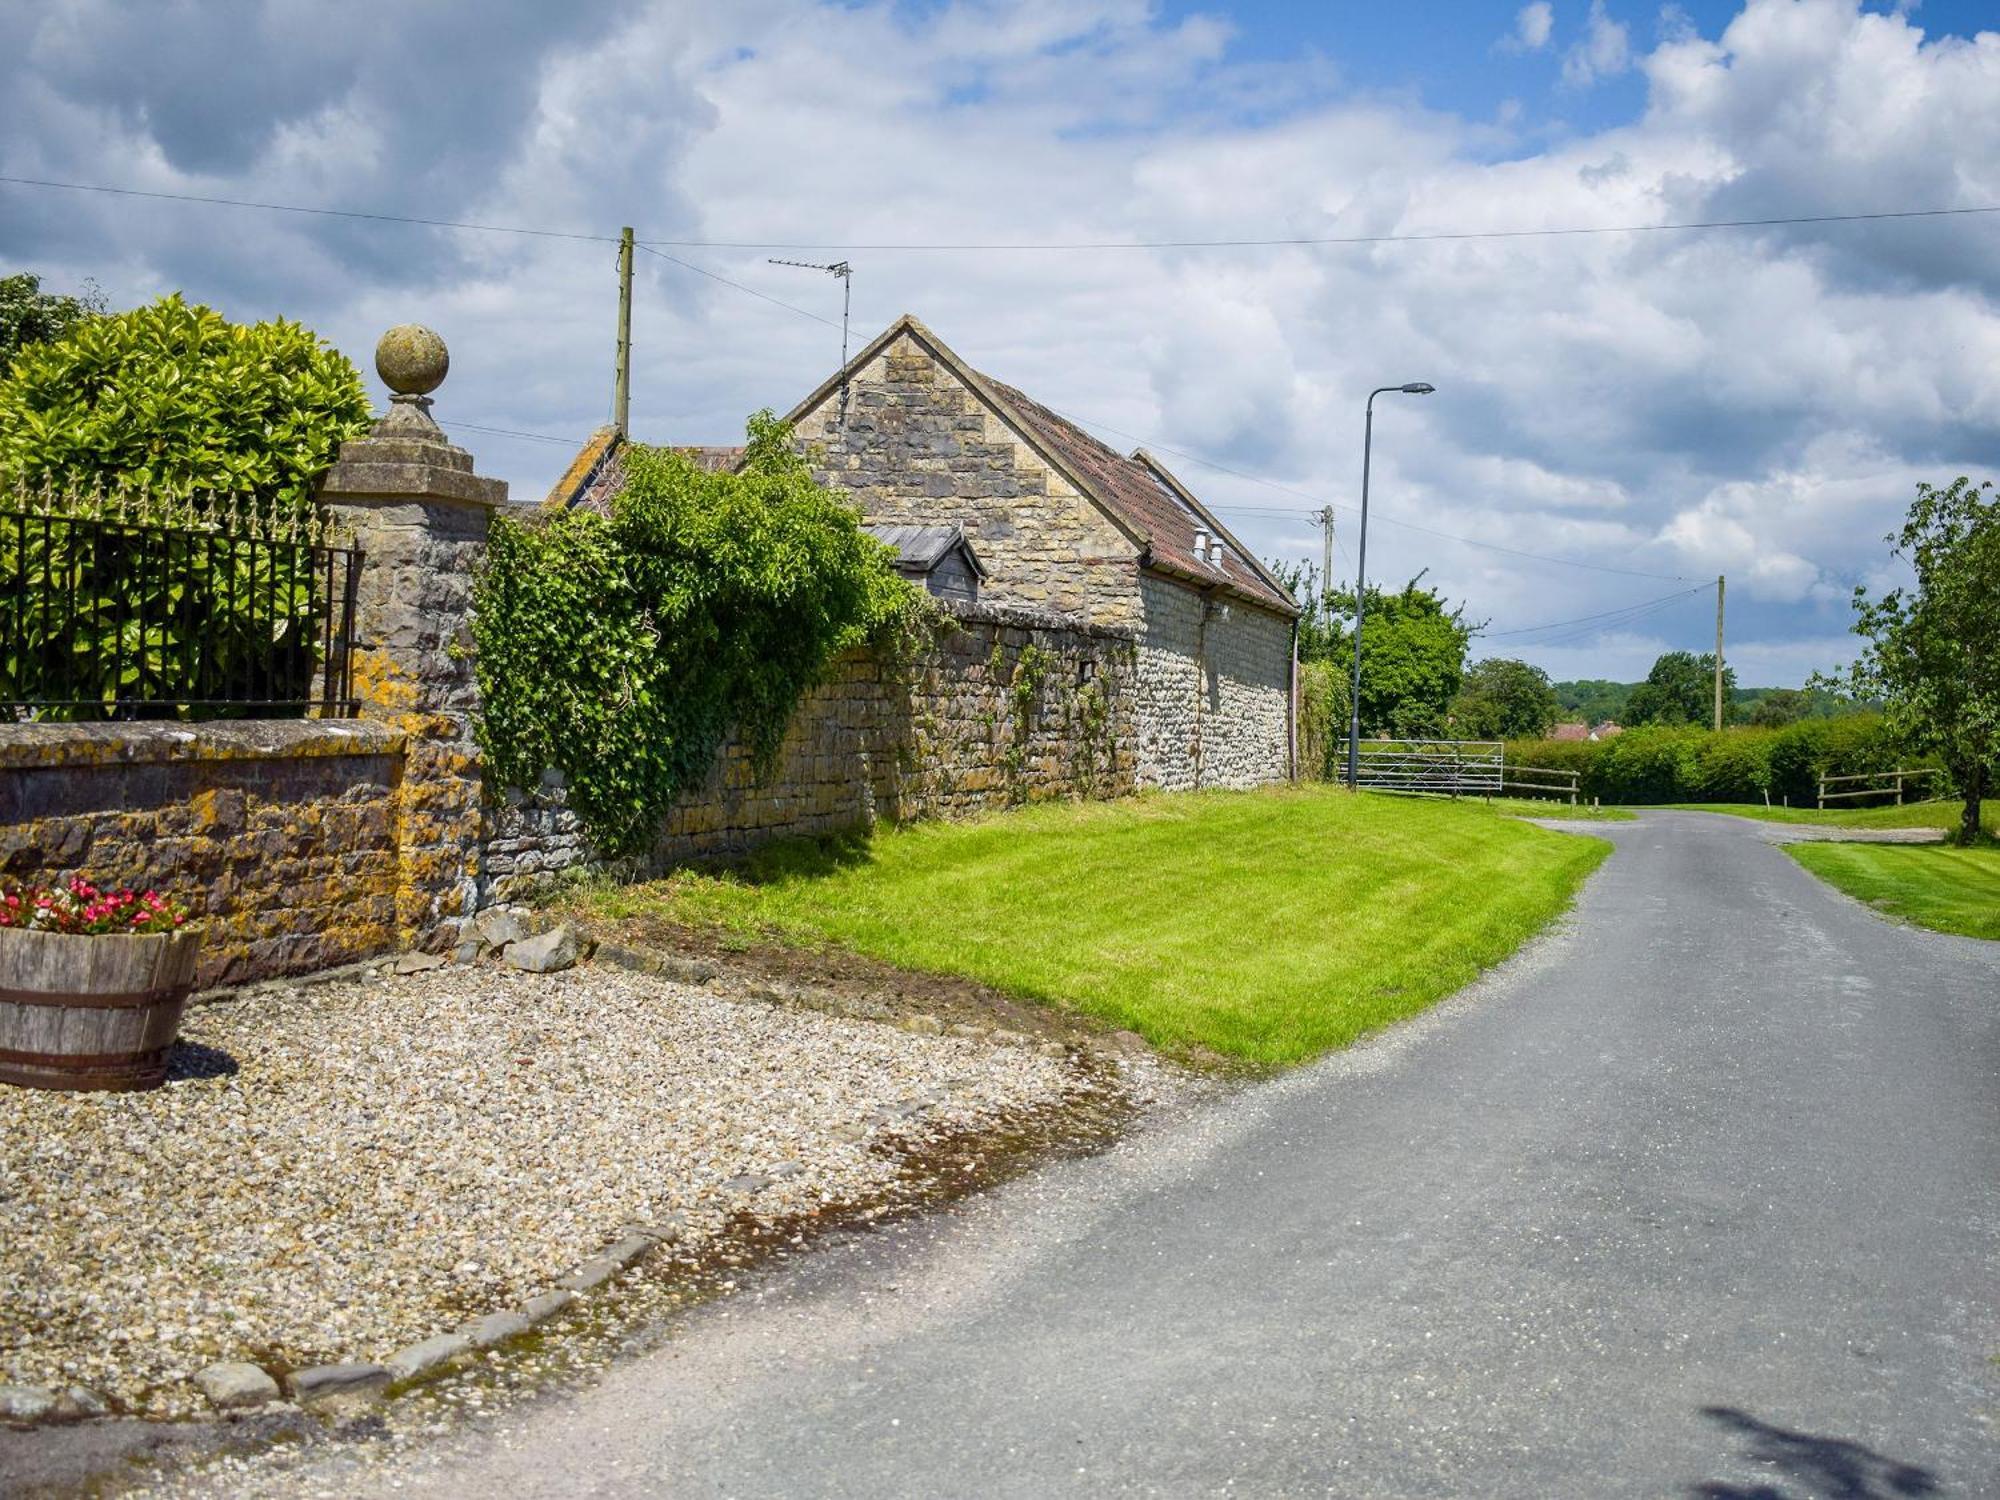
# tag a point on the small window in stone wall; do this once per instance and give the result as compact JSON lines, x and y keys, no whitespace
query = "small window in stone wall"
{"x":1086,"y":671}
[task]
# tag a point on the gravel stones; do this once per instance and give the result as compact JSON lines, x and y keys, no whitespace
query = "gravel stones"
{"x":26,"y":1403}
{"x":378,"y":1162}
{"x":234,"y":1384}
{"x":557,"y":949}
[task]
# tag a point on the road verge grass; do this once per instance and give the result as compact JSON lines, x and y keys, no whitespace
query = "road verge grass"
{"x":1268,"y":926}
{"x":1944,"y":888}
{"x":1910,"y":815}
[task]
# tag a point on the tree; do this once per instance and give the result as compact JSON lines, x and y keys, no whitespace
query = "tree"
{"x":1412,"y":649}
{"x":1933,"y":652}
{"x":1777,"y":708}
{"x":1504,"y":699}
{"x":1679,"y":690}
{"x":29,"y":315}
{"x":175,"y":398}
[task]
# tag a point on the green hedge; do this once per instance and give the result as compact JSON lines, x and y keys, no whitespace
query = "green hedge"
{"x":1656,"y":765}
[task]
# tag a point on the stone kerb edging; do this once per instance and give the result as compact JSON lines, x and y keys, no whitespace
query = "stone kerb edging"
{"x":237,"y":1386}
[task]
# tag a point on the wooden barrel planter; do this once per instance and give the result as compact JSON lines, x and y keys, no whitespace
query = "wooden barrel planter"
{"x":91,"y":1012}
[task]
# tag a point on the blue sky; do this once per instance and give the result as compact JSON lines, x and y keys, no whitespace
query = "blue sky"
{"x":1615,"y":413}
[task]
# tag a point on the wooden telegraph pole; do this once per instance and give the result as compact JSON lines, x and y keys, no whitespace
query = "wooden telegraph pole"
{"x":1718,"y":650}
{"x":621,"y":401}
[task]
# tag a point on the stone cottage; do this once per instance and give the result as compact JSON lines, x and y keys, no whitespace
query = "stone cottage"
{"x":1059,"y":523}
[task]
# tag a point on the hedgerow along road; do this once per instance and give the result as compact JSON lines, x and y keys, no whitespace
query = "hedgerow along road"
{"x":1699,"y":1196}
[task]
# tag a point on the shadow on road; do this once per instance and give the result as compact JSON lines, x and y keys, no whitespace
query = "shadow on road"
{"x":1820,"y":1466}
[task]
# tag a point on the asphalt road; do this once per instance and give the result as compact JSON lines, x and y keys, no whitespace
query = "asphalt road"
{"x":1700,"y":1196}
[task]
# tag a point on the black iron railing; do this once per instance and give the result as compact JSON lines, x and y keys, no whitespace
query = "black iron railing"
{"x":134,"y":606}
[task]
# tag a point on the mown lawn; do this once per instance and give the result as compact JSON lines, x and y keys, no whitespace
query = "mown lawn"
{"x":1937,"y":886}
{"x":1582,"y":812}
{"x":1909,"y":815}
{"x":1269,"y":926}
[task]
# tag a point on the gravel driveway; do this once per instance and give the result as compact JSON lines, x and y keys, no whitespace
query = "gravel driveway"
{"x":1699,"y":1197}
{"x":339,"y":1169}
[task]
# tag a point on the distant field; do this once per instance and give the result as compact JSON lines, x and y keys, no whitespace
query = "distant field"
{"x":1933,"y":885}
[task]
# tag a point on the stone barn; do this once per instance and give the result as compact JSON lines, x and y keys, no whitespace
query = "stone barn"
{"x":1061,"y":522}
{"x":987,"y":494}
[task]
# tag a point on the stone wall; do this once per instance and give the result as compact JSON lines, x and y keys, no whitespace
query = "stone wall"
{"x":282,"y":836}
{"x":920,"y":448}
{"x":1002,"y":706}
{"x":1213,"y":690}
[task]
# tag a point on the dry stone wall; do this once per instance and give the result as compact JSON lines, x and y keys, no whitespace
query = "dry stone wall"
{"x":1001,"y":705}
{"x":1213,"y":690}
{"x":282,"y":837}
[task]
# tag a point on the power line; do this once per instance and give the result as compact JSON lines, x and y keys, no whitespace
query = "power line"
{"x":1414,"y":237}
{"x":1607,"y":614}
{"x":1644,"y":612}
{"x":293,"y":208}
{"x":688,"y":265}
{"x":514,"y":432}
{"x":1417,"y":237}
{"x":1272,"y":484}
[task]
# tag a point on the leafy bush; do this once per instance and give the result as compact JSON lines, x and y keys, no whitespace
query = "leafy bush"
{"x":29,"y":315}
{"x":1323,"y":693}
{"x":1660,"y":764}
{"x":175,"y":398}
{"x":620,"y":650}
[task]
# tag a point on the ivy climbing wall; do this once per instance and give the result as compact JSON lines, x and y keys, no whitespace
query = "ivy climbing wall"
{"x":998,"y":705}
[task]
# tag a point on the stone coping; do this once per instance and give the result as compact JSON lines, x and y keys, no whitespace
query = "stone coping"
{"x":45,"y":746}
{"x":1027,"y":617}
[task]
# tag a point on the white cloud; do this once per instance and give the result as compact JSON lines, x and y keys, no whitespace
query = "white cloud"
{"x":1755,"y":403}
{"x":1532,"y":25}
{"x":1604,"y":51}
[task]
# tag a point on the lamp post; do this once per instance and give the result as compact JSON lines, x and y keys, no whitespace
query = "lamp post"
{"x":1414,"y":388}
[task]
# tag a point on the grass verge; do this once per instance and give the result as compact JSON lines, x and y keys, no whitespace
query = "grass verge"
{"x":1268,"y":926}
{"x":1583,"y":812}
{"x":1937,"y":886}
{"x":1909,"y":815}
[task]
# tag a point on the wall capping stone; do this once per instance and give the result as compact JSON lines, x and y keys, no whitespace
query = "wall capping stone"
{"x":29,"y":747}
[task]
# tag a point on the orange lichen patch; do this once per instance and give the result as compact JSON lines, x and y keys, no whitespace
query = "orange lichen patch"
{"x":589,"y":459}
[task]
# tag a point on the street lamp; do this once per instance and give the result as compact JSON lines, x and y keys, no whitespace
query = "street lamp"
{"x":1414,"y":388}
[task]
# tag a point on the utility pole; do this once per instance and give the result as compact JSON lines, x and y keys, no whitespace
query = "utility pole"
{"x":621,"y":399}
{"x":1325,"y":518}
{"x":1718,"y":650}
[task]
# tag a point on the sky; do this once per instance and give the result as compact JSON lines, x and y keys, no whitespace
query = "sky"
{"x":1619,"y":417}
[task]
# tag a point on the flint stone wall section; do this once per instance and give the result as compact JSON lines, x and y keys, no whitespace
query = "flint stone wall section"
{"x":937,"y":736}
{"x":921,"y":448}
{"x":1213,"y":691}
{"x":280,"y":836}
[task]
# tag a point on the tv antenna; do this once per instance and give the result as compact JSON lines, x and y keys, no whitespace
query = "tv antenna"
{"x":845,"y":272}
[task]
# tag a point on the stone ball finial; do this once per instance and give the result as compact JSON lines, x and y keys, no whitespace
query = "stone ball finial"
{"x":411,"y":360}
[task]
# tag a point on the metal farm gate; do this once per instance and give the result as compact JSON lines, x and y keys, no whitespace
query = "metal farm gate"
{"x":1451,"y":768}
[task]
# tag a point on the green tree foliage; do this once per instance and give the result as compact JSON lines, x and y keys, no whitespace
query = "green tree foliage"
{"x":620,"y":650}
{"x":1594,"y":700}
{"x":1412,"y":649}
{"x":29,"y":315}
{"x":1504,"y":699}
{"x":175,"y":398}
{"x":1679,"y":690}
{"x":1933,"y":652}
